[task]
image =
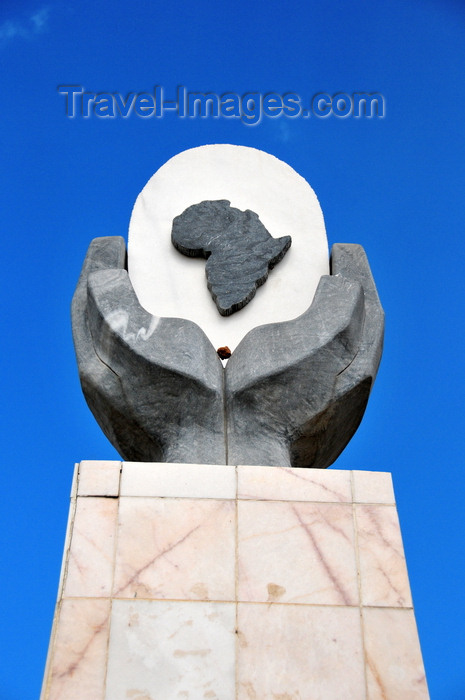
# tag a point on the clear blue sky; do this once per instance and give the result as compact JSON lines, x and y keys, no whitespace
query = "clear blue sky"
{"x":395,"y":185}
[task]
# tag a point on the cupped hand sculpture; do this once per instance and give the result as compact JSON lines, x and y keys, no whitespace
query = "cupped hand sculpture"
{"x":292,"y":394}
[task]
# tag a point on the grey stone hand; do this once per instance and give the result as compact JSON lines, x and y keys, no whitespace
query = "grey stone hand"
{"x":293,"y":393}
{"x":296,"y":391}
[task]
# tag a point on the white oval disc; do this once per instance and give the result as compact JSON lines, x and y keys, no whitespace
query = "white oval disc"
{"x":168,"y":283}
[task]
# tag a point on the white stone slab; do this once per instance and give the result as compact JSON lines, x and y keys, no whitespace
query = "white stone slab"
{"x":169,"y":651}
{"x":168,"y":283}
{"x":161,"y":480}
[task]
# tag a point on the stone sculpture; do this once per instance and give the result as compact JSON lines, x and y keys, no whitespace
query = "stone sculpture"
{"x":292,"y":393}
{"x":239,"y":250}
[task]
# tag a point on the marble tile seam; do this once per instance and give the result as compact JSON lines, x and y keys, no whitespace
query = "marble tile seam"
{"x":359,"y":583}
{"x":104,"y":496}
{"x":171,"y":498}
{"x":358,"y":606}
{"x":240,"y":601}
{"x":154,"y":472}
{"x":237,"y":641}
{"x":314,"y":501}
{"x":243,"y":498}
{"x":115,"y":549}
{"x":160,"y":471}
{"x":188,"y":465}
{"x":107,"y":650}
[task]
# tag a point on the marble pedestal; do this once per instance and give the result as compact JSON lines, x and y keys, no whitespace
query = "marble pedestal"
{"x":205,"y":582}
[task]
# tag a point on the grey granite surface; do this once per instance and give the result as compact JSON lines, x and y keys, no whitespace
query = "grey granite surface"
{"x":239,"y":250}
{"x":292,"y":393}
{"x":296,"y":391}
{"x":153,"y":384}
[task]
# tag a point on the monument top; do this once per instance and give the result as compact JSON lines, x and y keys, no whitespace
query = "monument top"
{"x":149,"y":338}
{"x":168,"y":284}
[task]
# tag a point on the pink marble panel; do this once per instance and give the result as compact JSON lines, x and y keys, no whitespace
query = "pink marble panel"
{"x":99,"y":478}
{"x":296,"y":553}
{"x":299,"y":652}
{"x":293,"y":484}
{"x":78,"y":663}
{"x":383,"y":572}
{"x":393,"y":656}
{"x":91,"y":554}
{"x":175,"y":548}
{"x":373,"y":487}
{"x":165,"y":650}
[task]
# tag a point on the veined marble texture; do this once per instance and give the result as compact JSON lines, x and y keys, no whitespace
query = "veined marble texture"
{"x":90,"y":563}
{"x":393,"y":658}
{"x":175,"y":548}
{"x":293,"y":484}
{"x":383,"y":571}
{"x":202,"y":582}
{"x":296,"y":553}
{"x":78,"y":665}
